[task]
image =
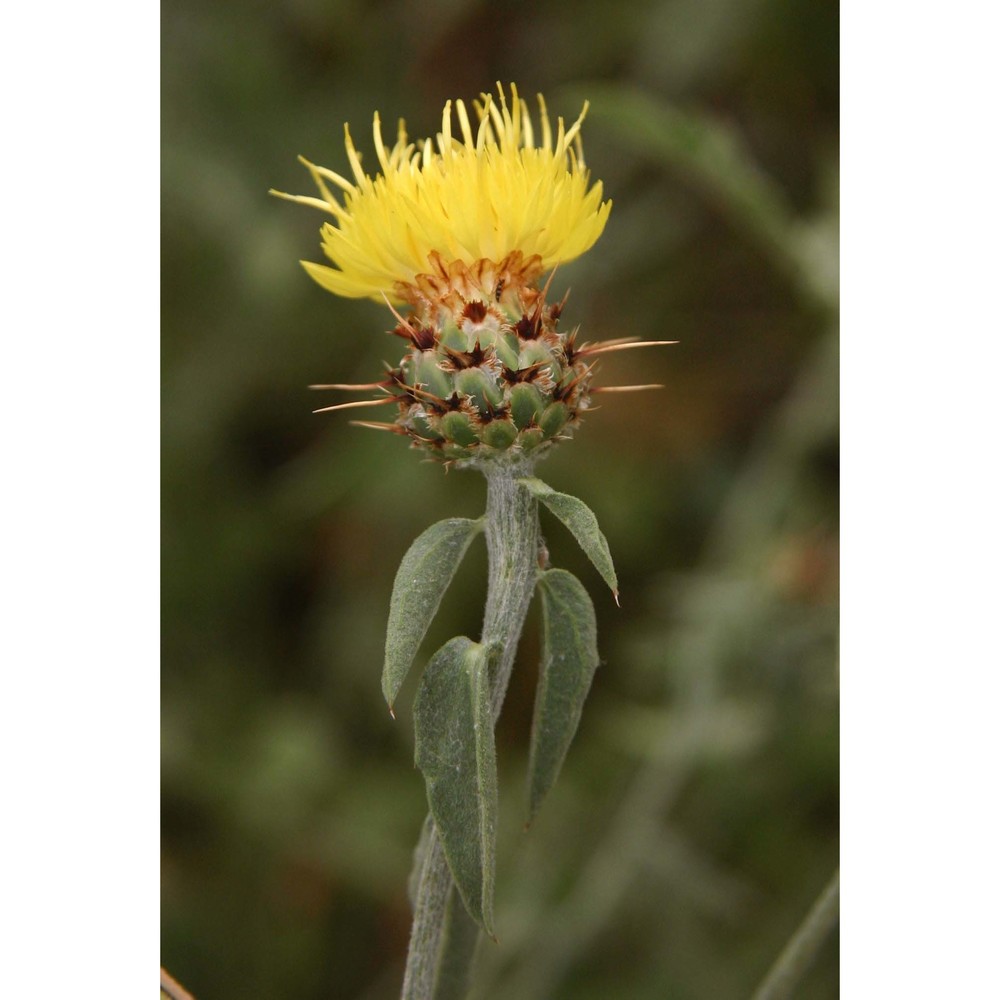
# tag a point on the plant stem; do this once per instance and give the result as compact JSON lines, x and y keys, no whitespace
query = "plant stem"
{"x":429,"y":909}
{"x":800,"y":951}
{"x":512,"y":544}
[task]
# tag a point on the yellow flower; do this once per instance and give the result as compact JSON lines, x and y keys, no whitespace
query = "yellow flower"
{"x":496,"y":191}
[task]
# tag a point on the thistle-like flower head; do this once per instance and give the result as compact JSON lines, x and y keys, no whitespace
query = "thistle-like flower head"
{"x":461,"y":229}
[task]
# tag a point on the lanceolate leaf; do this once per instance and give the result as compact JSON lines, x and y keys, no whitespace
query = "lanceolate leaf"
{"x":419,"y":855}
{"x":453,"y":728}
{"x":569,"y":659}
{"x":459,"y":938}
{"x":422,"y":578}
{"x":580,"y":520}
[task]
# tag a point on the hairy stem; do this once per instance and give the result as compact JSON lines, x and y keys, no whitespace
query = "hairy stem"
{"x":512,"y":543}
{"x":428,"y":921}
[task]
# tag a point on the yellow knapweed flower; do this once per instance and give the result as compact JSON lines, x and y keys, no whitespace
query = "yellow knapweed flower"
{"x":461,"y":230}
{"x":496,"y":191}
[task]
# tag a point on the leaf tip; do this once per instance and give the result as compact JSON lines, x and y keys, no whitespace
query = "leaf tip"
{"x":392,"y":714}
{"x":534,"y":803}
{"x":614,"y":594}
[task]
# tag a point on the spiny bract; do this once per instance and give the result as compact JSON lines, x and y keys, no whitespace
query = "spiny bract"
{"x":487,"y":376}
{"x":463,"y":234}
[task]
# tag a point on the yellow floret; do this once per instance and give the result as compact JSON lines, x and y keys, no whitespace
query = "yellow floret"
{"x":483,"y":195}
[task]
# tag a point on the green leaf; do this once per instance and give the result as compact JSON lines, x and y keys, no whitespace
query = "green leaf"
{"x":459,"y":938}
{"x":580,"y":520}
{"x":419,"y":855}
{"x":453,"y":729}
{"x":422,"y":578}
{"x":569,"y":659}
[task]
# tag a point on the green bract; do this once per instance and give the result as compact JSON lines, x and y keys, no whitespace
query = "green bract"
{"x":492,"y":382}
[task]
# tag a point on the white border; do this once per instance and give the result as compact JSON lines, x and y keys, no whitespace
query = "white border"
{"x":79,"y":733}
{"x":920,"y":500}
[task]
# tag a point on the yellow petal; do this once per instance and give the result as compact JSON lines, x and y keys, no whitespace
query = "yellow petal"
{"x":483,"y":196}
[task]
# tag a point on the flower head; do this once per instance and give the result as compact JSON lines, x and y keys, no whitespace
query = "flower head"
{"x":462,"y":229}
{"x":491,"y":192}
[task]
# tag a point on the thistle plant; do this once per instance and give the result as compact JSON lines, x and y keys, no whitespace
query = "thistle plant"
{"x":454,"y":236}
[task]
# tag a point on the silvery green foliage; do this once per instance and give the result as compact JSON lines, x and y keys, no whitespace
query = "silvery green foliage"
{"x":453,"y":712}
{"x":423,"y":576}
{"x":580,"y":520}
{"x":569,"y":659}
{"x":460,"y":936}
{"x":453,"y":728}
{"x":419,"y":856}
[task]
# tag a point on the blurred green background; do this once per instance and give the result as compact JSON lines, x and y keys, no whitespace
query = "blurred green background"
{"x":696,"y":818}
